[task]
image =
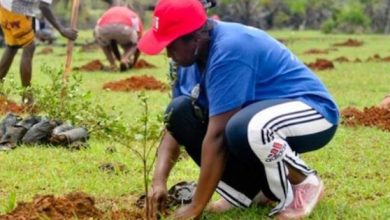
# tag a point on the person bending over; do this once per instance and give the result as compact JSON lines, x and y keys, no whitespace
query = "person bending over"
{"x":119,"y":26}
{"x":245,"y":109}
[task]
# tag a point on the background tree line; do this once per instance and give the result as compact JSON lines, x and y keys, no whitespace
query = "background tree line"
{"x":330,"y":16}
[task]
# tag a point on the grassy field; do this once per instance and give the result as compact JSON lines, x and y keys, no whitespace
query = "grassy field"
{"x":354,"y":166}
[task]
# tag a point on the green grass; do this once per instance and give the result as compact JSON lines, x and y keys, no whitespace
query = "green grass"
{"x":354,"y":166}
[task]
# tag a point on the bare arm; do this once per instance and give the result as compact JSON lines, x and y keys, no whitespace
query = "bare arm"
{"x":168,"y":153}
{"x":214,"y":155}
{"x":66,"y":32}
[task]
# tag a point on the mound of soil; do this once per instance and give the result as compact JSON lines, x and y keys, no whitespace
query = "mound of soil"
{"x":375,"y":58}
{"x":370,"y":117}
{"x":75,"y":205}
{"x":316,"y":51}
{"x":141,"y":63}
{"x":321,"y":64}
{"x":9,"y":106}
{"x":136,"y":83}
{"x":46,"y":50}
{"x":341,"y":59}
{"x":94,"y":65}
{"x":349,"y":43}
{"x":386,"y":59}
{"x":97,"y":65}
{"x":378,"y":58}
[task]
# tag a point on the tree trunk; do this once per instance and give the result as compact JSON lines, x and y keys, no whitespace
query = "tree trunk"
{"x":387,"y":28}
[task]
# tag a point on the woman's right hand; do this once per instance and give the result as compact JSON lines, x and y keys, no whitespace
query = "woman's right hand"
{"x":157,"y":197}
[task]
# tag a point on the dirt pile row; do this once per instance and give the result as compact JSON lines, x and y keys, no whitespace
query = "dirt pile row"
{"x":324,"y":64}
{"x":75,"y":205}
{"x":349,"y":43}
{"x":317,"y":51}
{"x":374,"y":58}
{"x":369,"y":117}
{"x":136,"y":83}
{"x":94,"y":65}
{"x":97,"y":65}
{"x":321,"y":64}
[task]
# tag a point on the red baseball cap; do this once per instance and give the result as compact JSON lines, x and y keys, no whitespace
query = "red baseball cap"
{"x":171,"y":20}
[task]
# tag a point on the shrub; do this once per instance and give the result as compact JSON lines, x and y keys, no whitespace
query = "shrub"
{"x":352,"y":19}
{"x":328,"y":26}
{"x":68,"y":102}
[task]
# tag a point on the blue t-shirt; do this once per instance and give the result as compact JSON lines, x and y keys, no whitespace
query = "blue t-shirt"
{"x":246,"y":65}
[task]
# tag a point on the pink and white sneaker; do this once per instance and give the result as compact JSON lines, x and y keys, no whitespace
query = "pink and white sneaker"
{"x":306,"y":197}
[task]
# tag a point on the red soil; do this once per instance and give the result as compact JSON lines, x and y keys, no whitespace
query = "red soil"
{"x":349,"y":43}
{"x":321,"y":64}
{"x":316,"y":51}
{"x":9,"y":106}
{"x":136,"y":83}
{"x":141,"y":63}
{"x":94,"y":65}
{"x":386,"y":59}
{"x":97,"y":65}
{"x":75,"y":205}
{"x":369,"y":117}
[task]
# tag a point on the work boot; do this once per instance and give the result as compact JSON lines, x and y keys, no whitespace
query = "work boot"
{"x":306,"y":197}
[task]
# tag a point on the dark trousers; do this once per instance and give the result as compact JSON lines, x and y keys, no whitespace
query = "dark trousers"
{"x":244,"y":176}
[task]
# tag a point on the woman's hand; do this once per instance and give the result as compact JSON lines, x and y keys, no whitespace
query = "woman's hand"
{"x":157,"y":198}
